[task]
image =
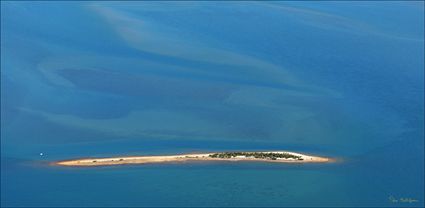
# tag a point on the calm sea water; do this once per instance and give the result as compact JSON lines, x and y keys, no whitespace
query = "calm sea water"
{"x":340,"y":79}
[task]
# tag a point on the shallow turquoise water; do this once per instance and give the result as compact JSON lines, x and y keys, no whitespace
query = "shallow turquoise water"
{"x":340,"y":79}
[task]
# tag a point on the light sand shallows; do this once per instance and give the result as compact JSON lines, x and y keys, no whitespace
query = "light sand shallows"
{"x":185,"y":157}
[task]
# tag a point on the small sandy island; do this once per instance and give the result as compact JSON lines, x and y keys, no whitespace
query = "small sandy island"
{"x":275,"y":156}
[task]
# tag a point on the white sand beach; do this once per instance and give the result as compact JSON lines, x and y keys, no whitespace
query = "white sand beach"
{"x":188,"y":157}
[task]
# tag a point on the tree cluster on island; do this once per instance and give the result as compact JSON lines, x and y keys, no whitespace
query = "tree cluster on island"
{"x":260,"y":155}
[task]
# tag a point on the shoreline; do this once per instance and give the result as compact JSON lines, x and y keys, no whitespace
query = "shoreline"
{"x":134,"y":160}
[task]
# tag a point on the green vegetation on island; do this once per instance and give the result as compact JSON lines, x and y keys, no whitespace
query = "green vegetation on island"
{"x":260,"y":155}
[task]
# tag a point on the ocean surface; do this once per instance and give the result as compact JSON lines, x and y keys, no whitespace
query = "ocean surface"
{"x":94,"y":79}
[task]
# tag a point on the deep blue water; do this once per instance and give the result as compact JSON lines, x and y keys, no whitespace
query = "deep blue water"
{"x":340,"y":79}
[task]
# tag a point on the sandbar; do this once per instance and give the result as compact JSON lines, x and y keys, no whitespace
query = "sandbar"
{"x":268,"y":156}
